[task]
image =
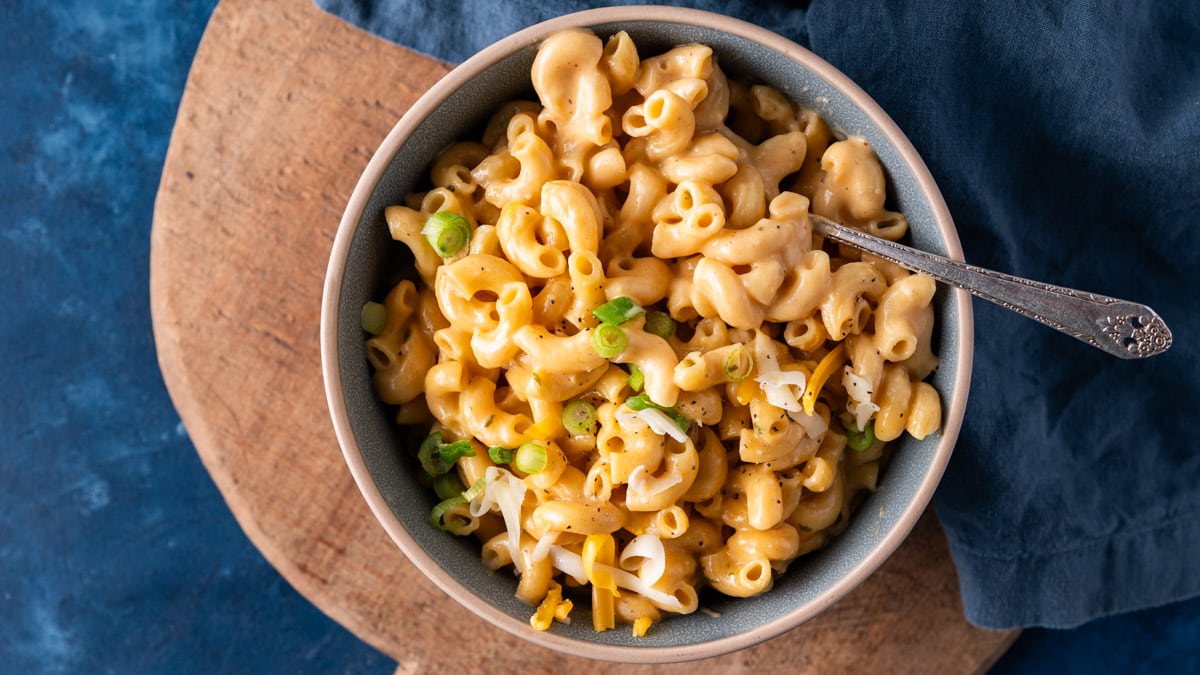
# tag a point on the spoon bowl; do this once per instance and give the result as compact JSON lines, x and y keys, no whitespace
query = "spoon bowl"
{"x":1122,"y":328}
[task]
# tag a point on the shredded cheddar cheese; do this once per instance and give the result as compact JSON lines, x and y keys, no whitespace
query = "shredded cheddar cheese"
{"x":830,"y":363}
{"x":600,"y":550}
{"x":550,"y":609}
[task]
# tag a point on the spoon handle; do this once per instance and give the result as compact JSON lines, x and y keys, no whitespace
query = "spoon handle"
{"x":1121,"y":328}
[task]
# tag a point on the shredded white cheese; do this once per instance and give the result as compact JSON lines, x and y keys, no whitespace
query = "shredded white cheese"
{"x":658,"y":421}
{"x":859,"y":404}
{"x":814,"y":425}
{"x":507,"y":492}
{"x":646,"y":484}
{"x":645,"y":556}
{"x":572,"y":564}
{"x":542,"y":548}
{"x":783,"y":388}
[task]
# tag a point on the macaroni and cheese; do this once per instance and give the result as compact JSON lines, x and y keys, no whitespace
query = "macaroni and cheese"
{"x":636,"y":369}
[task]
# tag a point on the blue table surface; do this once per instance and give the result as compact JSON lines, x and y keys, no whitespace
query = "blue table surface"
{"x":117,"y":553}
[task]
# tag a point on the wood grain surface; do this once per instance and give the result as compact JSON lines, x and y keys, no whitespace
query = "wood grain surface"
{"x":282,"y":110}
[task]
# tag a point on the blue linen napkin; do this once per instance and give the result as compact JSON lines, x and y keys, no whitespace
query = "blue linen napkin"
{"x":1066,"y":139}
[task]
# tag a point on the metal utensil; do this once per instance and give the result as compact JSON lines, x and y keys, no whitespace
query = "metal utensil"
{"x":1121,"y":328}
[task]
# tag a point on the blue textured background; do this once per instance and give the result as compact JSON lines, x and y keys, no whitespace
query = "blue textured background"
{"x":117,"y":554}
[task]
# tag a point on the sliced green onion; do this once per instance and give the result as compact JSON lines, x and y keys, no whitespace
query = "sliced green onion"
{"x":618,"y":310}
{"x":433,"y":464}
{"x":859,"y":439}
{"x":438,"y":458}
{"x":637,"y":379}
{"x":609,"y":340}
{"x":447,"y":232}
{"x":642,"y":401}
{"x":500,"y":455}
{"x":447,"y":485}
{"x":373,"y":318}
{"x":428,"y":454}
{"x":432,"y":442}
{"x":738,"y":363}
{"x":452,"y":451}
{"x":579,"y":417}
{"x":437,"y":516}
{"x":475,"y":490}
{"x":530,"y":458}
{"x":660,"y":324}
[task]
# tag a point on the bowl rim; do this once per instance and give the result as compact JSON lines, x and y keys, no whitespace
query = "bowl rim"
{"x":348,"y":226}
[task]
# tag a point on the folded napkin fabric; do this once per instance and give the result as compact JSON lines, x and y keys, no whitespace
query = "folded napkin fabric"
{"x":1066,"y":140}
{"x":454,"y":31}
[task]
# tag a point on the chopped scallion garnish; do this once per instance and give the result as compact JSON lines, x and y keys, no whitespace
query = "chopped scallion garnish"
{"x":438,"y":458}
{"x":738,"y":363}
{"x":859,"y":439}
{"x":428,"y":453}
{"x":500,"y":455}
{"x":475,"y":490}
{"x":618,"y":310}
{"x":447,"y":232}
{"x":373,"y":318}
{"x":444,"y":487}
{"x":452,"y":451}
{"x":609,"y":340}
{"x":530,"y":458}
{"x":438,"y":519}
{"x":637,"y":379}
{"x":660,"y":324}
{"x":447,"y":485}
{"x":579,"y":417}
{"x":642,"y":401}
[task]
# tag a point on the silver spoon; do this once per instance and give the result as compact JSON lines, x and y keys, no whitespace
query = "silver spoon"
{"x":1121,"y":328}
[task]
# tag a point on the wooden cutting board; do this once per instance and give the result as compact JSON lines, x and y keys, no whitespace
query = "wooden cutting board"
{"x":283,"y":108}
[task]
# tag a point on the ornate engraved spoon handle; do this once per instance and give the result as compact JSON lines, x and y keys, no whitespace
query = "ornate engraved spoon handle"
{"x":1122,"y":328}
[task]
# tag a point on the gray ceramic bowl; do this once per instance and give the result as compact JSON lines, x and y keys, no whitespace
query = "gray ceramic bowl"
{"x":362,"y":253}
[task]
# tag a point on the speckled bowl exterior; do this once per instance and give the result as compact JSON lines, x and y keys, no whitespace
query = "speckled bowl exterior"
{"x":375,"y":449}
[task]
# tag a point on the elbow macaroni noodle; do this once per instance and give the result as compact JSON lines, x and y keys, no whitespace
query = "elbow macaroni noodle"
{"x":660,"y":180}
